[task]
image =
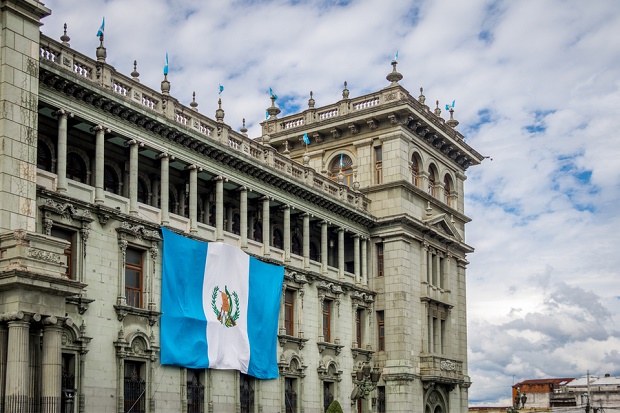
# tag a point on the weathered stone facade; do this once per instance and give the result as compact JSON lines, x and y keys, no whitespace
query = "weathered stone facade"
{"x":368,"y":221}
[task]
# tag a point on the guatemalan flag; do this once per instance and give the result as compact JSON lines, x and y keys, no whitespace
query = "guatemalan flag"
{"x":220,"y":307}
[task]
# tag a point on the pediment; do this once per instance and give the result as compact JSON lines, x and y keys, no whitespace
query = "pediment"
{"x":442,"y":224}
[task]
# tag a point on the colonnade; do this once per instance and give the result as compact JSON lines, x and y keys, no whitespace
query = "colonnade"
{"x":30,"y":374}
{"x":246,"y":220}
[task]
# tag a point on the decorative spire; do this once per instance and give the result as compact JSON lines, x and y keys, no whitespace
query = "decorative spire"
{"x":345,"y":91}
{"x":437,"y":110}
{"x":135,"y":75}
{"x":453,"y":123}
{"x":422,"y":98}
{"x":219,"y":113}
{"x":65,"y":39}
{"x":311,"y":101}
{"x":394,"y":76}
{"x":243,"y":130}
{"x":273,"y":111}
{"x":101,"y":52}
{"x":194,"y":105}
{"x":165,"y":86}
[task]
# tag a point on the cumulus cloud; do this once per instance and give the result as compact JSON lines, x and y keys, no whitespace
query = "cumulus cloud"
{"x":536,"y":88}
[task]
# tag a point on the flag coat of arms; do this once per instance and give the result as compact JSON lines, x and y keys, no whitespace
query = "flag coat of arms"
{"x":220,"y":307}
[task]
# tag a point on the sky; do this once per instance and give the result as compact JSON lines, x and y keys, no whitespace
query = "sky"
{"x":536,"y":86}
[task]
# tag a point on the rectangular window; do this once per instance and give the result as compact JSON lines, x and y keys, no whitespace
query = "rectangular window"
{"x":134,"y":387}
{"x":246,"y":392}
{"x":380,"y":331}
{"x":381,"y":399}
{"x":443,"y":336}
{"x":436,"y":342}
{"x":133,"y":277}
{"x":195,"y":392}
{"x":429,"y":323}
{"x":327,"y":321}
{"x":358,"y":327}
{"x":378,"y":165}
{"x":380,"y":259}
{"x":69,"y":251}
{"x":290,"y":395}
{"x":289,"y":312}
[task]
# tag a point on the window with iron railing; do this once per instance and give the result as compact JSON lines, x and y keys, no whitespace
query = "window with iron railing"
{"x":290,"y":395}
{"x":195,"y":392}
{"x":246,"y":393}
{"x":134,"y":388}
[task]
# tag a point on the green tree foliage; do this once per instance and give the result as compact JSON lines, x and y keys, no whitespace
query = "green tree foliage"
{"x":334,"y":407}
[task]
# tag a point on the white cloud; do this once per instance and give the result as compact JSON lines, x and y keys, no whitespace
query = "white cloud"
{"x":536,"y":87}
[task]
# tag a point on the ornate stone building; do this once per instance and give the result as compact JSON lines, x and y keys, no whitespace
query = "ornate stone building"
{"x":368,"y":221}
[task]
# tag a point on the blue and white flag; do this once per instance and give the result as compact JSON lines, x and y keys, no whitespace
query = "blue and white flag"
{"x":220,"y":307}
{"x":306,"y":139}
{"x":451,"y":106}
{"x":166,"y":66}
{"x":101,"y":28}
{"x":272,"y":95}
{"x":221,"y":89}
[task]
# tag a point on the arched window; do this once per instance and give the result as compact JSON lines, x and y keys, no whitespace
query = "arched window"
{"x":143,"y":191}
{"x":342,"y":164}
{"x":447,"y":189}
{"x":236,"y":225}
{"x":44,"y":157}
{"x":278,"y":239}
{"x":415,"y":170}
{"x":314,"y":251}
{"x":296,"y":245}
{"x":258,"y":231}
{"x":110,"y":179}
{"x":76,"y":168}
{"x":431,"y":181}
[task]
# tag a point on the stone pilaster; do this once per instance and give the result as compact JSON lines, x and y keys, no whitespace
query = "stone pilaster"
{"x":341,"y":252}
{"x":356,"y":258}
{"x":364,"y":251}
{"x":4,"y":335}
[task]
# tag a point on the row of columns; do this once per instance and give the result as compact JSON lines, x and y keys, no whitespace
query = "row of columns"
{"x":21,"y":386}
{"x":359,"y":252}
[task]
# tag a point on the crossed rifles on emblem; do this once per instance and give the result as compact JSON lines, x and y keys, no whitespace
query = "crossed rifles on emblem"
{"x":225,"y":314}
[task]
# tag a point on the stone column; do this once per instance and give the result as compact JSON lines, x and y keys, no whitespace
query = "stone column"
{"x":164,"y":191}
{"x":61,"y":150}
{"x":306,"y":240}
{"x":219,"y":208}
{"x":356,"y":258}
{"x":133,"y":176}
{"x":364,"y":261}
{"x":17,"y":388}
{"x":34,"y":362}
{"x":287,"y":233}
{"x":324,"y":247}
{"x":436,"y":270}
{"x":341,"y":252}
{"x":51,"y":363}
{"x":99,"y":162}
{"x":243,"y":216}
{"x":447,"y":274}
{"x":266,"y":232}
{"x":251,"y":222}
{"x":193,"y":199}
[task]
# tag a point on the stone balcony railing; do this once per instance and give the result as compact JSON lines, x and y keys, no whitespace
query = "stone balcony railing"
{"x":441,"y":369}
{"x":92,"y":74}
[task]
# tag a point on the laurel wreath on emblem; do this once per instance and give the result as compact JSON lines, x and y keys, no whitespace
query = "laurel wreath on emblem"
{"x":225,"y":314}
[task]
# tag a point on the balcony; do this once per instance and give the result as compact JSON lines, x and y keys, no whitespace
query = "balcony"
{"x":441,"y":369}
